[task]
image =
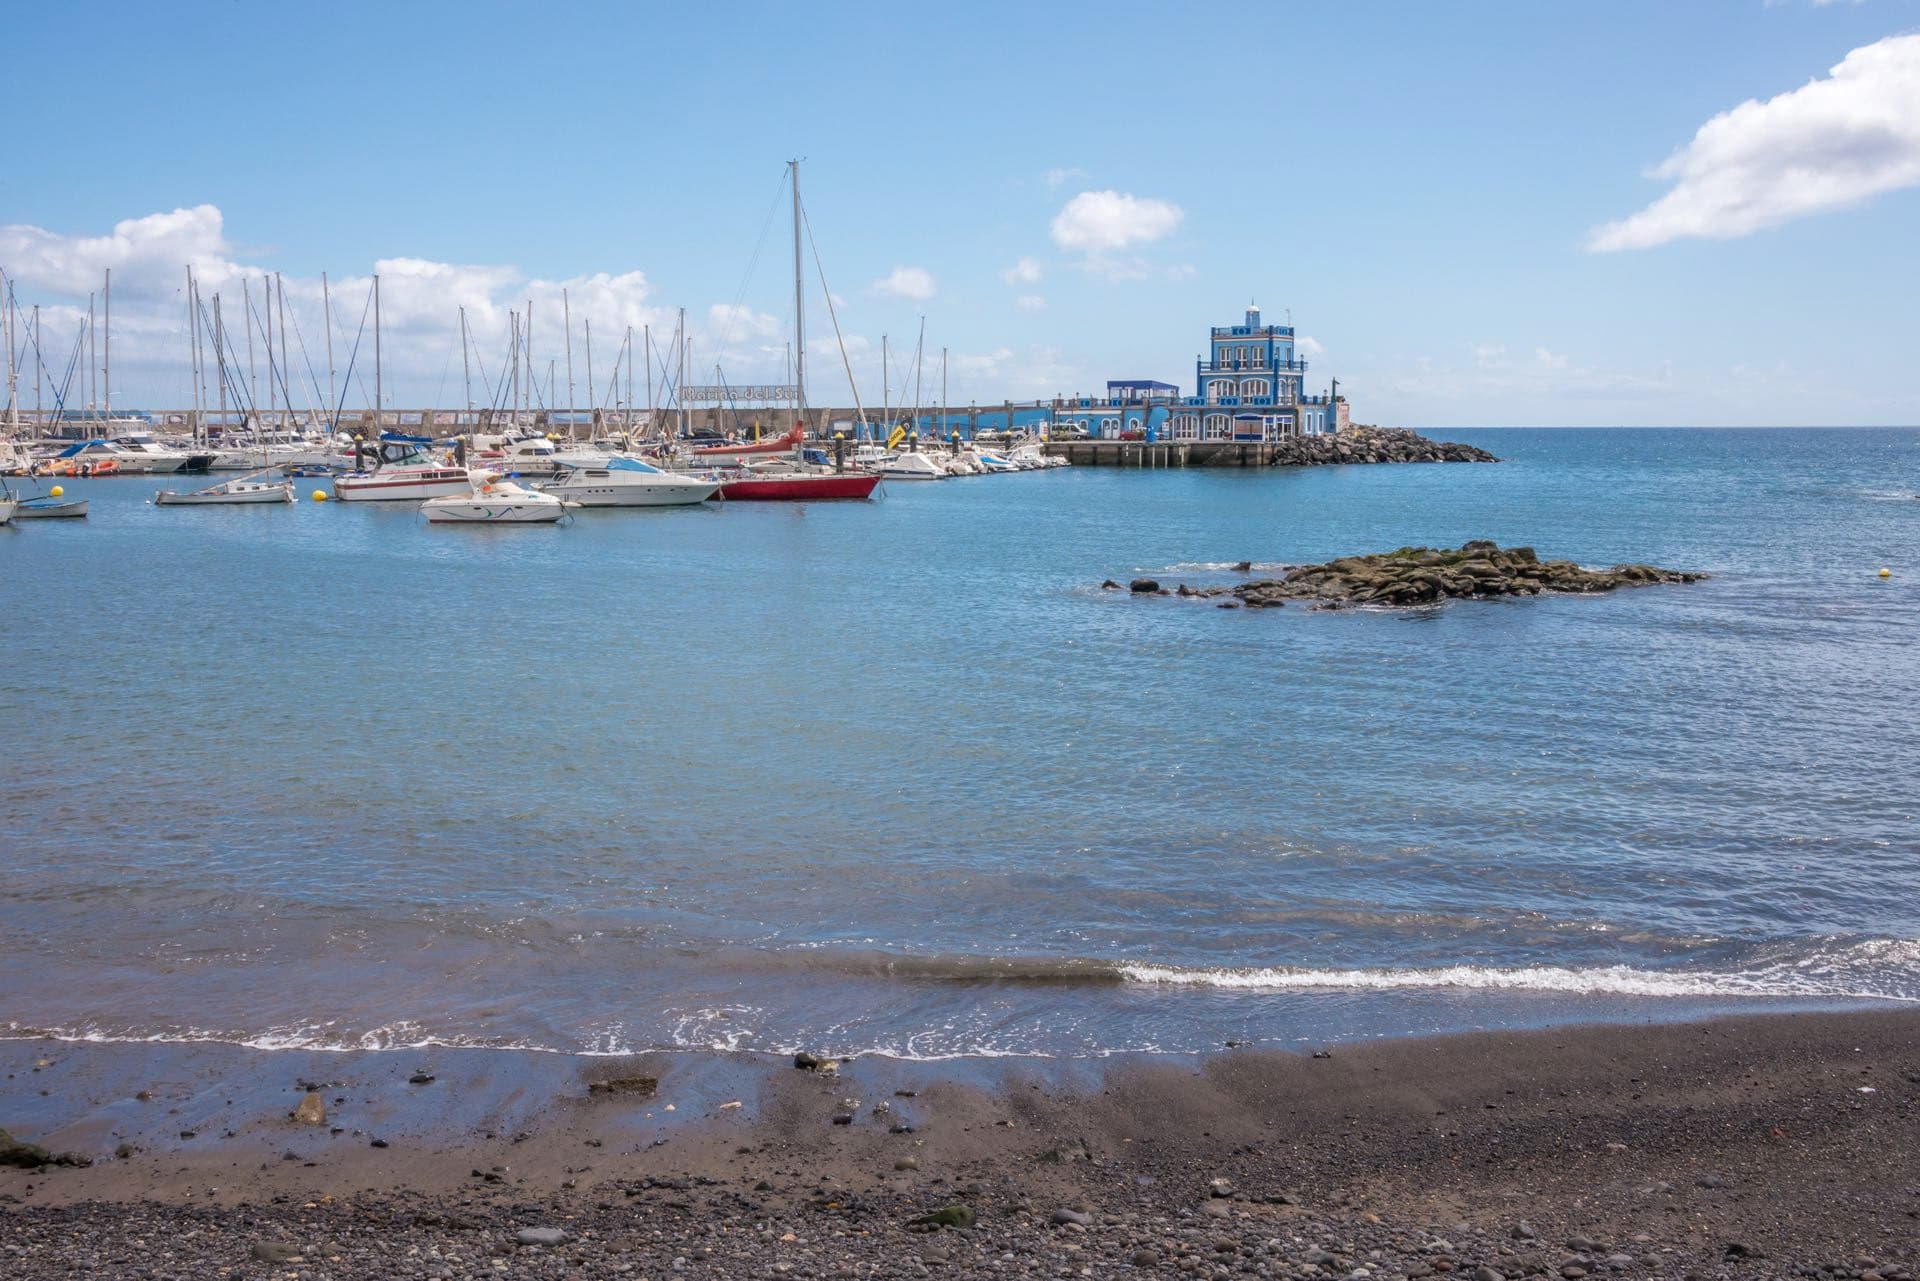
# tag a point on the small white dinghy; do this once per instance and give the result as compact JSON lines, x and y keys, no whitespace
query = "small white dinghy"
{"x":248,"y":489}
{"x":495,"y":502}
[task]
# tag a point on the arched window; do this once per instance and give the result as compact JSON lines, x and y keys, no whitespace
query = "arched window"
{"x":1253,"y":387}
{"x":1217,"y":427}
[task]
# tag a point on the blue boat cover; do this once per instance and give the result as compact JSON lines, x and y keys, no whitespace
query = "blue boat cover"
{"x":630,"y":464}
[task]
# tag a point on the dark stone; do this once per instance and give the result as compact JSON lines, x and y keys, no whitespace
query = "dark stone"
{"x":420,"y":1078}
{"x":638,"y":1086}
{"x":1143,"y":586}
{"x":952,"y":1216}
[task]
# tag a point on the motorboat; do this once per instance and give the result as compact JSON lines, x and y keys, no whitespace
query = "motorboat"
{"x":52,"y":505}
{"x":490,"y":500}
{"x":911,"y":465}
{"x":47,"y":507}
{"x":628,"y":482}
{"x":140,"y":452}
{"x":539,"y":456}
{"x":403,"y":471}
{"x":87,"y":458}
{"x":230,"y":492}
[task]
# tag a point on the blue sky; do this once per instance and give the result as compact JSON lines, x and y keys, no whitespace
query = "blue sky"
{"x":1066,"y":193}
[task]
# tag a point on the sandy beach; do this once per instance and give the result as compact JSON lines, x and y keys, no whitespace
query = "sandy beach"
{"x":1764,"y":1146}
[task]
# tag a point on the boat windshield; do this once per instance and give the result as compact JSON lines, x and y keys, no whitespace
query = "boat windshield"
{"x":631,"y":464}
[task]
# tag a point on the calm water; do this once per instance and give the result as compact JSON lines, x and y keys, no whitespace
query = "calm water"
{"x":895,"y":776}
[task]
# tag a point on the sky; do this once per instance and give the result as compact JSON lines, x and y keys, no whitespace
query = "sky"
{"x":1476,"y":213}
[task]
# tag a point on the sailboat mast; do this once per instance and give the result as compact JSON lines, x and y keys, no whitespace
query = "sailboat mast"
{"x":253,"y":370}
{"x":379,"y":388}
{"x":466,"y":361}
{"x":93,"y":361}
{"x":680,"y":388}
{"x":799,"y":305}
{"x":626,"y":419}
{"x":193,"y":363}
{"x":326,"y":304}
{"x":39,"y":372}
{"x":566,"y":321}
{"x":513,"y":340}
{"x":106,"y":373}
{"x":526,"y":337}
{"x":591,"y":397}
{"x":942,"y":429}
{"x":220,"y":354}
{"x":280,"y":292}
{"x":886,"y":396}
{"x":646,"y":340}
{"x":266,"y":322}
{"x":13,"y":412}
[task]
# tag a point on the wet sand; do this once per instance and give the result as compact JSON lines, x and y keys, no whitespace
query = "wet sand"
{"x":1755,"y":1146}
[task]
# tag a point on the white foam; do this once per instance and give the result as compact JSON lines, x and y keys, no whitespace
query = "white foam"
{"x":1814,"y":977}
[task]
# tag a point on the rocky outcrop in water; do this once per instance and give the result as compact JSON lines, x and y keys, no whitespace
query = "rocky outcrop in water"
{"x":1362,"y":444}
{"x":1427,"y":575}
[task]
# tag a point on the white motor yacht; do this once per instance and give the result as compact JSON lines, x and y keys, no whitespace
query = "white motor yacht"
{"x":912,"y":465}
{"x":138,"y":451}
{"x":628,"y":482}
{"x":492,"y":501}
{"x":403,"y":471}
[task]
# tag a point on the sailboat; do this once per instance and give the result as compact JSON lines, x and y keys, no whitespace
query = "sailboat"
{"x":770,"y":476}
{"x":402,"y":467}
{"x":245,"y":490}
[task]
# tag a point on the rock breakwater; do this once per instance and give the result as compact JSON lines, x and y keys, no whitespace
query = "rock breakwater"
{"x":1413,"y":576}
{"x":1362,"y":444}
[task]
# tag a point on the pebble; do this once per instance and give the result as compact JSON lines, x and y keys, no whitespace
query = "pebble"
{"x":275,"y":1251}
{"x":541,"y":1236}
{"x":906,"y":1163}
{"x":1065,"y":1216}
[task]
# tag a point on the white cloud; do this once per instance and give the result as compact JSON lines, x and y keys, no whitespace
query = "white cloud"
{"x":906,"y":282}
{"x":1059,"y":177}
{"x":1024,"y":272}
{"x":728,"y":319}
{"x":1829,"y":144}
{"x":1310,"y":346}
{"x":420,"y":302}
{"x":1030,"y":302}
{"x":1100,"y":222}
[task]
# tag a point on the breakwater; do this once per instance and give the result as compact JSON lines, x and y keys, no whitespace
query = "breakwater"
{"x":1352,"y":446}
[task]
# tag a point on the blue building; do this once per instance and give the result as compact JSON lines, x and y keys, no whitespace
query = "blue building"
{"x":1248,"y":387}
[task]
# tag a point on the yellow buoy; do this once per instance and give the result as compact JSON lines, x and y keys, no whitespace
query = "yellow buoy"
{"x":319,"y":495}
{"x":1885,"y":572}
{"x":57,"y":491}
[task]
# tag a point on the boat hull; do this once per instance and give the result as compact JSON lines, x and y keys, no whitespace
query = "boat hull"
{"x":363,"y":489}
{"x":518,"y":512}
{"x":230,"y":498}
{"x":34,"y":509}
{"x":798,"y":488}
{"x":650,"y":494}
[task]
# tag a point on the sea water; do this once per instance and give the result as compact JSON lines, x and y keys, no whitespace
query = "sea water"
{"x":899,"y":776}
